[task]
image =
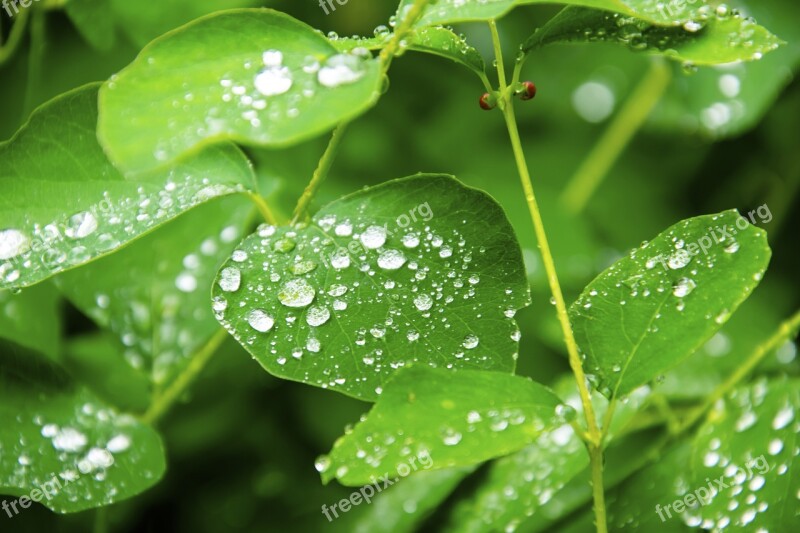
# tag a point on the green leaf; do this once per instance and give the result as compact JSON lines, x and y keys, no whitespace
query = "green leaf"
{"x":655,"y":11}
{"x":403,"y":507}
{"x":144,"y":21}
{"x":430,"y":419}
{"x":713,"y":41}
{"x":94,"y":21}
{"x":159,"y":309}
{"x":255,"y":76}
{"x":62,"y":204}
{"x":64,"y":447}
{"x":32,"y":319}
{"x":750,"y":443}
{"x":519,"y":485}
{"x":658,"y":305}
{"x":421,"y":269}
{"x":438,"y":41}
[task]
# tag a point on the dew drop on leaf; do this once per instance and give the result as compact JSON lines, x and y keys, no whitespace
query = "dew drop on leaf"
{"x":296,"y":293}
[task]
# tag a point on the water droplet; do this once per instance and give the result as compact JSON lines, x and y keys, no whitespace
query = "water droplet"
{"x":341,"y":69}
{"x":683,"y":287}
{"x":275,"y":78}
{"x":229,"y":279}
{"x":322,"y":464}
{"x":81,"y":225}
{"x":119,"y":444}
{"x":69,"y":440}
{"x":783,"y":418}
{"x":296,"y":293}
{"x":373,"y":237}
{"x":337,"y":290}
{"x":260,"y":320}
{"x":317,"y":316}
{"x":451,"y":437}
{"x":679,"y":259}
{"x":423,"y":302}
{"x":391,"y":259}
{"x":13,"y":243}
{"x":239,"y":256}
{"x":410,"y":240}
{"x":470,"y":341}
{"x":302,"y":267}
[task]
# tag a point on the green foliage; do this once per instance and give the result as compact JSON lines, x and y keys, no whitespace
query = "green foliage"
{"x":144,"y":256}
{"x":385,"y":277}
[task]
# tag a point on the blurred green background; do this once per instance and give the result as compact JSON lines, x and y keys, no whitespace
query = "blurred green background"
{"x":241,"y":449}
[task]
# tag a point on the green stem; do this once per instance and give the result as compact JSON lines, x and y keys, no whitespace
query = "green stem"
{"x":615,"y":139}
{"x":35,"y":57}
{"x":263,"y":207}
{"x":101,"y":520}
{"x":320,"y":173}
{"x":171,"y":394}
{"x":785,"y":332}
{"x":594,"y":442}
{"x":8,"y":49}
{"x":390,"y":50}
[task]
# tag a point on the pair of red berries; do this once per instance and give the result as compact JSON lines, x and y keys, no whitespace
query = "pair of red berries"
{"x":526,"y":91}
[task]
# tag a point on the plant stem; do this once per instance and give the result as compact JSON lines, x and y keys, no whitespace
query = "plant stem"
{"x":14,"y":37}
{"x":593,"y":436}
{"x":320,"y":173}
{"x":615,"y":139}
{"x":263,"y":208}
{"x":785,"y":331}
{"x":100,"y":520}
{"x":391,"y":49}
{"x":196,"y":365}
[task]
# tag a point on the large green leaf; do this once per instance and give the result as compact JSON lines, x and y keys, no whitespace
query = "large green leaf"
{"x":655,"y":11}
{"x":154,"y":294}
{"x":255,"y":76}
{"x":719,"y":39}
{"x":430,"y":419}
{"x":658,"y":305}
{"x":750,"y":443}
{"x":421,"y":269}
{"x":519,"y":485}
{"x":65,"y":448}
{"x":62,"y":204}
{"x":144,"y":21}
{"x":32,"y":319}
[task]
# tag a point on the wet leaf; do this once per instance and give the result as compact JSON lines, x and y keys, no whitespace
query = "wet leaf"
{"x":65,"y":448}
{"x":159,"y":309}
{"x":421,"y":269}
{"x":715,"y":40}
{"x":430,"y":419}
{"x":749,"y":447}
{"x":662,"y":302}
{"x":655,"y":11}
{"x":62,"y":204}
{"x":259,"y":78}
{"x":519,"y":485}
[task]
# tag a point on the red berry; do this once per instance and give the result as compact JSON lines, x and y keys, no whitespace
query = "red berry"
{"x":528,"y":91}
{"x":486,"y":102}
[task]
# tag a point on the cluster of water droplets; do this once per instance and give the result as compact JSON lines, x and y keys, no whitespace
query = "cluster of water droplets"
{"x":371,"y":294}
{"x":80,"y":448}
{"x":761,"y":451}
{"x":39,"y":248}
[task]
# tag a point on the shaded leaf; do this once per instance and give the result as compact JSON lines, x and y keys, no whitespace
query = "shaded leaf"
{"x":62,"y":203}
{"x":658,"y":305}
{"x":255,"y":76}
{"x":435,"y":418}
{"x":94,"y":21}
{"x":32,"y":319}
{"x":421,"y":269}
{"x":154,"y":294}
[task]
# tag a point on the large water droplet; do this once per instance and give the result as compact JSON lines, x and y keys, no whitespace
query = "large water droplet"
{"x":341,"y":69}
{"x":423,"y":302}
{"x":229,"y":279}
{"x":317,"y":315}
{"x":373,"y":237}
{"x":296,"y":293}
{"x":391,"y":259}
{"x":260,"y":320}
{"x":13,"y":243}
{"x":81,"y":225}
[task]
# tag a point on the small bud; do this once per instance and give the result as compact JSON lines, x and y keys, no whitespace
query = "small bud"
{"x":487,"y":102}
{"x":527,"y":90}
